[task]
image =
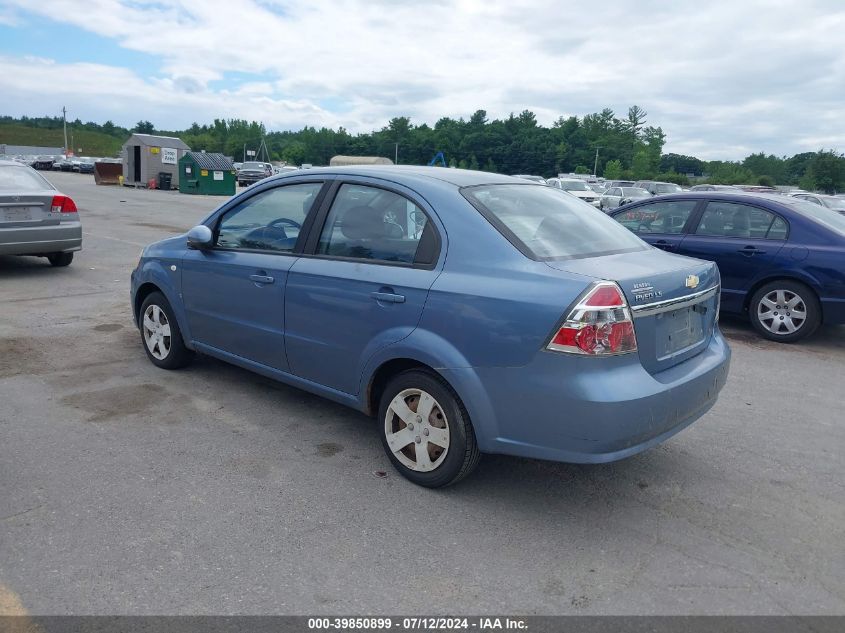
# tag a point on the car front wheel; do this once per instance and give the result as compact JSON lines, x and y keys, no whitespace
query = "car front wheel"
{"x":161,"y":335}
{"x":426,"y":430}
{"x":785,"y":311}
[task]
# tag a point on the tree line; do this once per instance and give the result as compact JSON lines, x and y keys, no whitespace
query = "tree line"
{"x":616,"y":147}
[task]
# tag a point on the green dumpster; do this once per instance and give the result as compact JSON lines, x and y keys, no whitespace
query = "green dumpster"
{"x":207,"y":173}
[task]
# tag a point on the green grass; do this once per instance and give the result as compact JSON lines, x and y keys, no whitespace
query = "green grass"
{"x":92,"y":143}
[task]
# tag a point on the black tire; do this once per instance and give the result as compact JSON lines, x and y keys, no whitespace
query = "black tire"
{"x":773,"y":323}
{"x":462,"y":454}
{"x":177,"y":355}
{"x":60,"y":259}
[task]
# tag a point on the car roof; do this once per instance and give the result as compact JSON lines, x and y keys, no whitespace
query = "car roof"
{"x":456,"y":177}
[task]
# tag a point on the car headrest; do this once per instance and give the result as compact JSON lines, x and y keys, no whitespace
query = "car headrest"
{"x":741,"y":220}
{"x":362,"y":222}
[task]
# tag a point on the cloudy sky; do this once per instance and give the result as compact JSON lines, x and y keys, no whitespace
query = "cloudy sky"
{"x":722,"y":78}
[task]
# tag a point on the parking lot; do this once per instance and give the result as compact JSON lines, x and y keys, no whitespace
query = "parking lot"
{"x":129,"y":489}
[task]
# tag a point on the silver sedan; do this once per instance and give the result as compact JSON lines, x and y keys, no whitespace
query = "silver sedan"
{"x":617,"y":196}
{"x":35,"y":219}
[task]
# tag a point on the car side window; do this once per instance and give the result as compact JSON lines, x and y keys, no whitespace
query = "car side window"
{"x":778,"y":230}
{"x":268,"y":221}
{"x":374,"y":224}
{"x":731,"y":219}
{"x":658,"y":217}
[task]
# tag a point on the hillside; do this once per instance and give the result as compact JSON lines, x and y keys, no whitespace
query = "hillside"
{"x":92,"y":143}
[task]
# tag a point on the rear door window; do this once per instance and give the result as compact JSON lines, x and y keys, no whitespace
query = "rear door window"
{"x":731,"y":219}
{"x":373,"y":224}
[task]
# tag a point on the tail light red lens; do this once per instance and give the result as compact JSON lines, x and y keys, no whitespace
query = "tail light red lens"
{"x":63,"y":204}
{"x":600,"y":325}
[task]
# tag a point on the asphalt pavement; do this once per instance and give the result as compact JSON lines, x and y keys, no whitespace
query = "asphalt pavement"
{"x":126,"y":489}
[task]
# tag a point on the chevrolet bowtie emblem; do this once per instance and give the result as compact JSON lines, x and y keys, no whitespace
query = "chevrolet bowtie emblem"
{"x":692,"y":281}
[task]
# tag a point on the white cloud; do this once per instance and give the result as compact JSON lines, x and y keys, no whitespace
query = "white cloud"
{"x":723,"y":78}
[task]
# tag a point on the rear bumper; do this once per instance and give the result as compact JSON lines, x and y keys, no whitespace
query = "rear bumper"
{"x":586,"y":410}
{"x":38,"y":240}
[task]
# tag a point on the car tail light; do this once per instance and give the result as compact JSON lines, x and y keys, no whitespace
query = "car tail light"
{"x":63,"y":204}
{"x":600,"y":325}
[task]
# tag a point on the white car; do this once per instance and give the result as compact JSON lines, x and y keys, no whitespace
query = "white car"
{"x":577,"y":188}
{"x":831,"y":202}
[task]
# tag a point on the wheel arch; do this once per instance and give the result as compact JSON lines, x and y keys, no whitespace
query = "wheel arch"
{"x":382,"y":375}
{"x":144,"y":291}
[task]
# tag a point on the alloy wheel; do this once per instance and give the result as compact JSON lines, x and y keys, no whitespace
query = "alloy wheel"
{"x":417,"y":431}
{"x":156,"y":332}
{"x":782,"y":312}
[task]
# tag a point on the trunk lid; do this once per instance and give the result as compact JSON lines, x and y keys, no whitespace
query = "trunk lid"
{"x":673,"y":300}
{"x":27,"y":209}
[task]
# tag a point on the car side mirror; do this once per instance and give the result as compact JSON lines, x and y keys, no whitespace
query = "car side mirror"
{"x":200,"y":237}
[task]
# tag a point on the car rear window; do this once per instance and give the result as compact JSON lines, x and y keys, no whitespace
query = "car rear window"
{"x":14,"y":178}
{"x":547,"y":224}
{"x":828,"y":217}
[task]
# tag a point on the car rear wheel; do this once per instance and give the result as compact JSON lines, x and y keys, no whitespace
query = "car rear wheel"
{"x":785,"y":311}
{"x":426,"y":430}
{"x":60,"y":259}
{"x":161,"y":335}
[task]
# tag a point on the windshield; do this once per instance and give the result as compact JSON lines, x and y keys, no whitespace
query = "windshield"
{"x":19,"y":178}
{"x":574,"y":185}
{"x":829,"y":218}
{"x":668,"y":188}
{"x":547,"y":224}
{"x":258,"y":166}
{"x":635,"y":192}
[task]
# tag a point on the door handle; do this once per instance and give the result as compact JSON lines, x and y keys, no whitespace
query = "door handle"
{"x":261,"y":279}
{"x":388,"y":297}
{"x":751,"y":250}
{"x":664,"y":244}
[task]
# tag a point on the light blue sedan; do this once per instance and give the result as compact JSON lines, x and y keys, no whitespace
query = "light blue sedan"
{"x":469,"y":312}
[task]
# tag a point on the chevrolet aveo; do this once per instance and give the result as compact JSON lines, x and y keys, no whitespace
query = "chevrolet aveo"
{"x":469,"y":312}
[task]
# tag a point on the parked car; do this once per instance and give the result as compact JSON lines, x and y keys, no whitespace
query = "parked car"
{"x":831,"y":202}
{"x":401,"y":298}
{"x":658,"y":188}
{"x":616,"y":196}
{"x":714,"y":188}
{"x":43,"y":162}
{"x":35,"y":219}
{"x":252,"y":171}
{"x":577,"y":188}
{"x":85,"y":166}
{"x":782,"y":259}
{"x":66,"y":164}
{"x":538,"y":179}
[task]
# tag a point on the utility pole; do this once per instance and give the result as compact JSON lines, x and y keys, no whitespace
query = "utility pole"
{"x":596,"y":164}
{"x":64,"y":124}
{"x":396,"y":156}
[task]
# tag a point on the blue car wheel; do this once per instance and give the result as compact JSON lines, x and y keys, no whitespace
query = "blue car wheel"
{"x":161,"y":335}
{"x":426,"y":430}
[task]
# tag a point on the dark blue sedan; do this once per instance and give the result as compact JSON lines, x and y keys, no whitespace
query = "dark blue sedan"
{"x":469,"y":312}
{"x":782,"y":260}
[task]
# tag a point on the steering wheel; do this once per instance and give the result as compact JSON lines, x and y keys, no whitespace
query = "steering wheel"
{"x":288,"y":221}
